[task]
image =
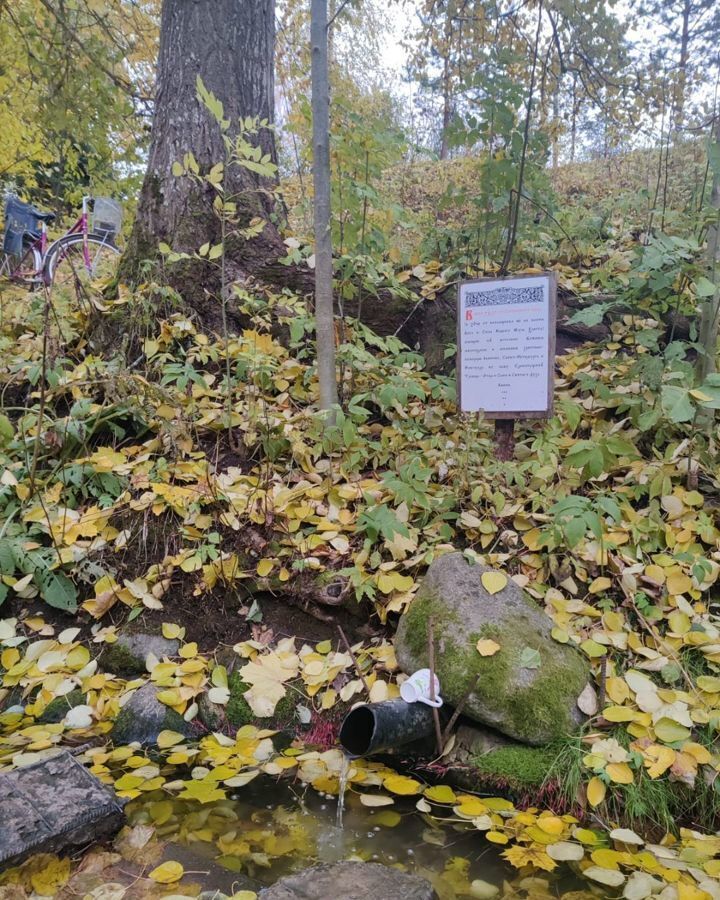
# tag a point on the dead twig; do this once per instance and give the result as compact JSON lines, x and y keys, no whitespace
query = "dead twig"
{"x":431,"y":661}
{"x":458,"y":710}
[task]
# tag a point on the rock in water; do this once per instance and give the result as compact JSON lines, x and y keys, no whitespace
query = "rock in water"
{"x":529,"y":688}
{"x":350,"y":881}
{"x":143,"y":718}
{"x":51,"y":805}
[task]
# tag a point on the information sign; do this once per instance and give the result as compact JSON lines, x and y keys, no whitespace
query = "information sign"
{"x":506,"y":346}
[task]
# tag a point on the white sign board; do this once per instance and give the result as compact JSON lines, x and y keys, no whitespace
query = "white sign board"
{"x":506,"y":346}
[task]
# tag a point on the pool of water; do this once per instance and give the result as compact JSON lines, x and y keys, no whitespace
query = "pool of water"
{"x":271,"y":828}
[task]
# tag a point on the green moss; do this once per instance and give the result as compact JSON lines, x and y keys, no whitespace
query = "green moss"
{"x":57,"y":709}
{"x":237,"y":710}
{"x":121,"y":725}
{"x":124,"y":729}
{"x":521,"y":767}
{"x":541,"y":708}
{"x":118,"y":659}
{"x":173,"y":721}
{"x":285,"y":710}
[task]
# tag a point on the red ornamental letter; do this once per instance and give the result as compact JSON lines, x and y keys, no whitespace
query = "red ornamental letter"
{"x":468,"y":315}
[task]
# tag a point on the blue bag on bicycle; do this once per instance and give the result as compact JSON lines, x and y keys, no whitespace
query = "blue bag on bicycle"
{"x":20,"y":219}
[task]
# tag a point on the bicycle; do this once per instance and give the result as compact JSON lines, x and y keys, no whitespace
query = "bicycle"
{"x":87,"y":252}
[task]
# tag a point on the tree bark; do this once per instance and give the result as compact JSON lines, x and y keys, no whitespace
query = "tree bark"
{"x":324,"y":311}
{"x":710,"y":306}
{"x":229,"y":44}
{"x":681,"y":84}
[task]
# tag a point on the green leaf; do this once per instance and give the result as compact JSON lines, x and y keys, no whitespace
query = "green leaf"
{"x":215,"y":175}
{"x":676,"y":403}
{"x":57,"y":590}
{"x":267,"y":171}
{"x":573,"y":413}
{"x":704,"y":287}
{"x":177,"y":169}
{"x":210,"y":101}
{"x":7,"y":433}
{"x":530,"y":659}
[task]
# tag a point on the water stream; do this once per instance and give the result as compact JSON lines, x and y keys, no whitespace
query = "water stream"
{"x":273,"y":828}
{"x":343,"y":779}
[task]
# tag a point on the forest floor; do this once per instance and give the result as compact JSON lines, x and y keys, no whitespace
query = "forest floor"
{"x":144,"y":495}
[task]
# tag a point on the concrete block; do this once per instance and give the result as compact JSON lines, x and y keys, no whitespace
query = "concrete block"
{"x":53,"y":804}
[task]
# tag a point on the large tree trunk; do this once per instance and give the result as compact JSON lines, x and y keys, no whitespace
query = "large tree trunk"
{"x":229,"y":44}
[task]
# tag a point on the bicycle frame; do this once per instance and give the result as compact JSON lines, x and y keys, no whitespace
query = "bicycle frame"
{"x":82,"y":227}
{"x":42,"y":244}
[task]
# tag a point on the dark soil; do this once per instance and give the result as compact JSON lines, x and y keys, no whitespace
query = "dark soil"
{"x":213,"y":621}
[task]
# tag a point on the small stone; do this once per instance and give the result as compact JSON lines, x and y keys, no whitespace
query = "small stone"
{"x":127,"y":655}
{"x":212,"y":715}
{"x":350,"y":881}
{"x":143,"y":718}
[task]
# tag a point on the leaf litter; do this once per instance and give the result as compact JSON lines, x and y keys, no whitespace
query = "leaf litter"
{"x":612,"y":536}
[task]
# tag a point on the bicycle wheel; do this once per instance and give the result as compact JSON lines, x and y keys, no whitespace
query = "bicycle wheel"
{"x":69,"y":272}
{"x":25,"y":269}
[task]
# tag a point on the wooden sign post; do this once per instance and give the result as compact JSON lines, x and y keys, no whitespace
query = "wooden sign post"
{"x":506,"y":350}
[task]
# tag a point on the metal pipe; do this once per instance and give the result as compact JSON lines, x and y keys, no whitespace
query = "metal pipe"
{"x":379,"y":727}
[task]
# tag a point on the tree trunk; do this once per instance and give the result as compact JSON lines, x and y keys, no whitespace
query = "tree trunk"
{"x":447,"y":100}
{"x":229,"y":44}
{"x":710,"y":306}
{"x":681,"y":84}
{"x":556,"y":127}
{"x":324,"y":312}
{"x":573,"y":126}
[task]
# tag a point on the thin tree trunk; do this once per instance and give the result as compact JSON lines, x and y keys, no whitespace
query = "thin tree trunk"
{"x":556,"y":127}
{"x":324,"y":311}
{"x":573,"y":127}
{"x":446,"y":88}
{"x":229,"y":45}
{"x":444,"y":143}
{"x":681,"y":85}
{"x":710,"y":306}
{"x":515,"y":210}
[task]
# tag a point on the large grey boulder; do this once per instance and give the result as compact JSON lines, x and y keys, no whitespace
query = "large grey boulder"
{"x":350,"y":881}
{"x":143,"y":718}
{"x":529,"y":688}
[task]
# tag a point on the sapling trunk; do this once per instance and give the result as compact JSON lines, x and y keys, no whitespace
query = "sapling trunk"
{"x":324,"y":313}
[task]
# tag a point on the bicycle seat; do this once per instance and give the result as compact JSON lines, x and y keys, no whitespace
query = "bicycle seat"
{"x":43,"y":216}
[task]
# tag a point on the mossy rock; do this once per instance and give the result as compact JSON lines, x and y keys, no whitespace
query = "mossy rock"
{"x":143,"y":718}
{"x":59,"y":707}
{"x":126,"y":657}
{"x":533,"y":703}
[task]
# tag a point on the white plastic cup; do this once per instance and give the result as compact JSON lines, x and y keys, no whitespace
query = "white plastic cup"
{"x":416,"y":689}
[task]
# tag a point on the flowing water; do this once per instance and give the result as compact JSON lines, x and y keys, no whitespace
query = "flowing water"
{"x":344,"y":771}
{"x":273,"y":828}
